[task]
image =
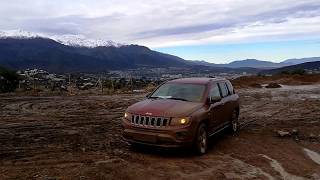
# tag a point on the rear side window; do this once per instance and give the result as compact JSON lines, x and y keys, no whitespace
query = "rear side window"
{"x":224,"y":89}
{"x":230,"y":87}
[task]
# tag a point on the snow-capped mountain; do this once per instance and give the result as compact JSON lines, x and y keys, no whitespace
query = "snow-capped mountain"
{"x":50,"y":55}
{"x":69,"y":40}
{"x":20,"y":34}
{"x":82,"y":41}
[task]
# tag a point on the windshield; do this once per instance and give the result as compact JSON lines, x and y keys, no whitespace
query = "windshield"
{"x":178,"y":91}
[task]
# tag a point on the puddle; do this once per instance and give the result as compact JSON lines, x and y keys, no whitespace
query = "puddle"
{"x":278,"y":167}
{"x":314,"y":156}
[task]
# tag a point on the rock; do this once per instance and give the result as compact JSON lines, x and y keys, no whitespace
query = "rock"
{"x":83,"y":149}
{"x":315,"y":176}
{"x":283,"y":133}
{"x":72,"y":132}
{"x":118,"y":151}
{"x":312,"y":136}
{"x":273,"y":85}
{"x":294,"y":132}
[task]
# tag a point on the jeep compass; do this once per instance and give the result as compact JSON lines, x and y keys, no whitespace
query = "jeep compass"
{"x":183,"y":112}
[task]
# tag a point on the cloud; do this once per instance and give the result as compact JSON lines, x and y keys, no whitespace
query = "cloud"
{"x":167,"y":23}
{"x":272,"y":16}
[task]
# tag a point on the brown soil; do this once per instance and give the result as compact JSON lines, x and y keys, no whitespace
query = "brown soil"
{"x":79,"y":137}
{"x":254,"y":81}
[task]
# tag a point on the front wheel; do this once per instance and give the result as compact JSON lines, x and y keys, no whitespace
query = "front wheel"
{"x":201,"y":141}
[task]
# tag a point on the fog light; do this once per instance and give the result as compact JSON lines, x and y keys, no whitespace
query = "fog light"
{"x":181,"y":134}
{"x":126,"y":115}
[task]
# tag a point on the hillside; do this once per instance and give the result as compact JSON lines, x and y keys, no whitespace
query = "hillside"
{"x":21,"y":53}
{"x":302,"y":60}
{"x":48,"y":54}
{"x":254,"y":64}
{"x":308,"y":66}
{"x":249,"y":63}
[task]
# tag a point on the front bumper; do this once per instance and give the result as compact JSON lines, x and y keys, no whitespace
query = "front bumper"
{"x":163,"y":137}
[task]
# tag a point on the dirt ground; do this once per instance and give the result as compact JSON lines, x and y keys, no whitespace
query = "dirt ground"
{"x":253,"y":81}
{"x":79,"y":137}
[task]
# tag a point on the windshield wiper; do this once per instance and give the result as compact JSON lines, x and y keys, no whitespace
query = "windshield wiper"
{"x":154,"y":97}
{"x":174,"y":98}
{"x":181,"y":99}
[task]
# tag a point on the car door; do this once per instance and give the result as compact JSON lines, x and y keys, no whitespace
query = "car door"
{"x":234,"y":98}
{"x":226,"y":102}
{"x":216,"y":111}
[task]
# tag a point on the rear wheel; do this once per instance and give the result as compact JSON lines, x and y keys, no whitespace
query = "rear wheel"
{"x":234,"y":124}
{"x":201,"y":141}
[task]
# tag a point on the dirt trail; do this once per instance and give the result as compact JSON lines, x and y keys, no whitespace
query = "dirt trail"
{"x":79,"y":137}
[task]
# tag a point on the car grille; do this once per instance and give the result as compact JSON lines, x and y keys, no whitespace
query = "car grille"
{"x":150,"y":121}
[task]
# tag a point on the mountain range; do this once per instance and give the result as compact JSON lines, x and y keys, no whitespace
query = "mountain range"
{"x":68,"y":40}
{"x":303,"y":60}
{"x":310,"y":66}
{"x":260,"y":64}
{"x":73,"y":53}
{"x":56,"y":57}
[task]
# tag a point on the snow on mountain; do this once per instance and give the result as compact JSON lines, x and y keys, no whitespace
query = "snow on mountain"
{"x":69,"y":40}
{"x":82,"y":41}
{"x":18,"y":34}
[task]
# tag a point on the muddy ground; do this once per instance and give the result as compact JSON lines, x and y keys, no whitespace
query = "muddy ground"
{"x":79,"y":137}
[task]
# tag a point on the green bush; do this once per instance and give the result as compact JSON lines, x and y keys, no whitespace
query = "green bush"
{"x":293,"y":72}
{"x":299,"y":71}
{"x":8,"y":80}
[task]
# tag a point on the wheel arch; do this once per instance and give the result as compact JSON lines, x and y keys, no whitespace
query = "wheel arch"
{"x":237,"y":109}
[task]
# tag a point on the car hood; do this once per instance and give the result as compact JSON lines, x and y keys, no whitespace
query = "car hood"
{"x":164,"y":108}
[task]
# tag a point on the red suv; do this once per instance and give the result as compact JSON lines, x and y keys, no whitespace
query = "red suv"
{"x":183,"y":112}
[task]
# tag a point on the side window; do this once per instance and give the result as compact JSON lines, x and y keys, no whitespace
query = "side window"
{"x":214,"y":91}
{"x":230,"y":87}
{"x":224,"y":89}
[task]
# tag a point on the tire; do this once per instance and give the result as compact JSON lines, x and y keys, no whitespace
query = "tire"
{"x":201,"y":140}
{"x":234,"y":124}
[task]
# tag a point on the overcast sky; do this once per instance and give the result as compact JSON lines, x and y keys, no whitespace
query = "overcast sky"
{"x":213,"y":30}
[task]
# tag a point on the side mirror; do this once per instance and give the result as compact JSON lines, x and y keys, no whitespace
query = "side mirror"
{"x":214,"y":99}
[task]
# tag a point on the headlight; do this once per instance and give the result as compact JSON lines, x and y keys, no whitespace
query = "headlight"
{"x":180,"y":121}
